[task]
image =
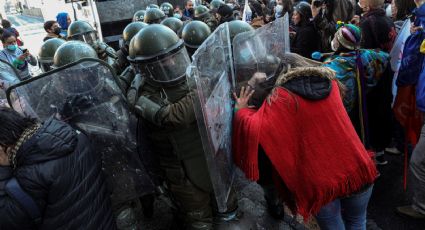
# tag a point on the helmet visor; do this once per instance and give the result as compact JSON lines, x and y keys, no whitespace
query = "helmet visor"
{"x":168,"y":69}
{"x":89,"y":38}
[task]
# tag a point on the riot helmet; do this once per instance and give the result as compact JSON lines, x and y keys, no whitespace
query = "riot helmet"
{"x":47,"y":52}
{"x":167,"y":8}
{"x":173,"y":23}
{"x":139,"y":16}
{"x":215,"y":4}
{"x":194,"y":34}
{"x":201,"y":12}
{"x":82,"y":31}
{"x":130,"y":30}
{"x":154,"y":16}
{"x":159,"y":53}
{"x":152,"y":6}
{"x":236,"y":27}
{"x":72,"y":51}
{"x":81,"y":78}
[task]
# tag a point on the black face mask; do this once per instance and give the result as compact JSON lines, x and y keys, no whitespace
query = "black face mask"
{"x":57,"y":30}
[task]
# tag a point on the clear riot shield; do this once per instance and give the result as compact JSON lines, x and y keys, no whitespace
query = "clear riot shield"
{"x":261,"y":50}
{"x":8,"y":77}
{"x":86,"y":95}
{"x":210,"y":77}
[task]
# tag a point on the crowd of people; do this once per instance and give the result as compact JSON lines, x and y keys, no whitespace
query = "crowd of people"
{"x":334,"y":107}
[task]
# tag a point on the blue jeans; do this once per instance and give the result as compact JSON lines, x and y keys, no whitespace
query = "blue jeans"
{"x":345,"y":213}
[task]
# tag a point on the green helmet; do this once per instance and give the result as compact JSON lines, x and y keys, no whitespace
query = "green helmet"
{"x":154,"y":16}
{"x":139,"y":16}
{"x":237,"y":26}
{"x":47,"y":52}
{"x":132,"y":29}
{"x":215,"y":4}
{"x":82,"y":31}
{"x":159,"y":53}
{"x":167,"y":8}
{"x":173,"y":23}
{"x":195,"y":33}
{"x":201,"y":12}
{"x":72,"y":51}
{"x":152,"y":6}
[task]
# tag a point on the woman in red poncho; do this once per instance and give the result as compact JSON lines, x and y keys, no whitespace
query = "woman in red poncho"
{"x":317,"y":161}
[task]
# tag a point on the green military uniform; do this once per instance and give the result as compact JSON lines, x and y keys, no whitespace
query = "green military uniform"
{"x":164,"y":103}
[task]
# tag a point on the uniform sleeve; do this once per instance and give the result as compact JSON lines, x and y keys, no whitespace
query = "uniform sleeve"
{"x":179,"y":114}
{"x":12,"y":215}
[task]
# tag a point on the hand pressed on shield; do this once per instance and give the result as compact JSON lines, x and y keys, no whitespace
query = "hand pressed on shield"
{"x":243,"y":99}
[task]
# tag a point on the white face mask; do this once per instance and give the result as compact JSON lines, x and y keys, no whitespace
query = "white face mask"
{"x":334,"y":45}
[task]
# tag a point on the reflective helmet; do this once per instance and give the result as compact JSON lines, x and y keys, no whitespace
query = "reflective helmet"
{"x":195,"y":33}
{"x":132,"y":29}
{"x":154,"y":16}
{"x":237,"y":26}
{"x":72,"y":51}
{"x":215,"y":4}
{"x":201,"y":12}
{"x":82,"y":31}
{"x":159,"y":53}
{"x":139,"y":16}
{"x":47,"y":52}
{"x":152,"y":6}
{"x":173,"y":23}
{"x":167,"y":8}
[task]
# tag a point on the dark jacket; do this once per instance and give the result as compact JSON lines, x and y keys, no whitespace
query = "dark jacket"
{"x":326,"y":26}
{"x":306,"y":40}
{"x":57,"y":168}
{"x":378,"y":31}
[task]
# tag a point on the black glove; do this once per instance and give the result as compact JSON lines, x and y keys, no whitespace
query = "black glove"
{"x":75,"y":105}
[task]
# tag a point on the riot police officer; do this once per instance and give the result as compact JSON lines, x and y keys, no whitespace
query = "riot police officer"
{"x":83,"y":31}
{"x":154,"y":16}
{"x":121,"y":64}
{"x":164,"y":105}
{"x":167,"y":8}
{"x":202,"y":13}
{"x":194,"y":34}
{"x":126,"y":176}
{"x":237,"y":26}
{"x":139,"y":16}
{"x":173,"y":23}
{"x":47,"y":52}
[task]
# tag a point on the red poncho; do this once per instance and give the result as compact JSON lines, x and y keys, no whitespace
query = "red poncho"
{"x":311,"y":144}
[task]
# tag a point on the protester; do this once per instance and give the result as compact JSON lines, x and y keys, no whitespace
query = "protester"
{"x":64,"y":21}
{"x":369,"y":107}
{"x":305,"y":41}
{"x":48,"y":172}
{"x":378,"y":31}
{"x":188,"y":10}
{"x":53,"y":30}
{"x":411,"y":81}
{"x":324,"y":23}
{"x":224,"y":14}
{"x":7,"y":26}
{"x":307,"y":136}
{"x":14,"y":55}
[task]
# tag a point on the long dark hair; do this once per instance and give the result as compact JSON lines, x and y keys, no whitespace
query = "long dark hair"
{"x":12,"y":125}
{"x":404,"y":8}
